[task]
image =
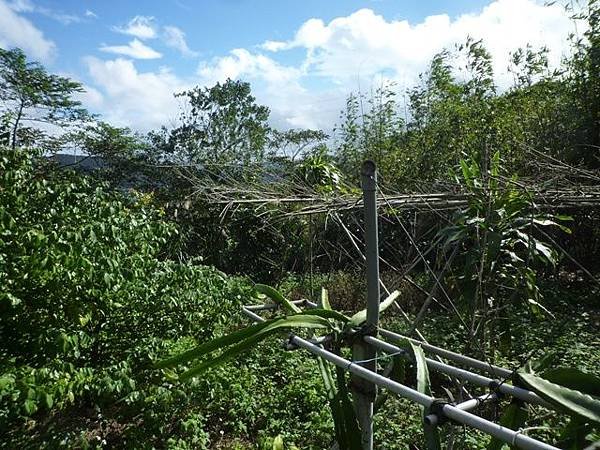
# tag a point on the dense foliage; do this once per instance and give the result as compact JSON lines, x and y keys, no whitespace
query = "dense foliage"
{"x":103,"y":274}
{"x":88,"y":296}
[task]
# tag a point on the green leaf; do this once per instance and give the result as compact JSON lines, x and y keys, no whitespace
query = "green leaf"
{"x":278,"y":443}
{"x":277,"y":297}
{"x":30,"y":406}
{"x":327,"y":314}
{"x":297,"y":321}
{"x":361,"y":316}
{"x":212,"y":345}
{"x":585,"y":383}
{"x":546,"y":251}
{"x":325,"y":299}
{"x":432,"y":437}
{"x":571,"y":400}
{"x":342,"y":411}
{"x":48,"y":400}
{"x":423,"y":383}
{"x":352,"y":434}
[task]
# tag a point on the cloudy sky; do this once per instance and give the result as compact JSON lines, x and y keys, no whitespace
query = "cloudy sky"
{"x":302,"y":57}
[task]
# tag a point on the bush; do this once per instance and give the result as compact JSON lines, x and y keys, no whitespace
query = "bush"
{"x":87,"y":299}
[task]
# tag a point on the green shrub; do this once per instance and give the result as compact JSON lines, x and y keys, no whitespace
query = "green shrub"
{"x":87,"y":299}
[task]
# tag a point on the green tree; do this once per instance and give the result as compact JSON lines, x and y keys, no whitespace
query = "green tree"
{"x":221,"y":126}
{"x":31,"y":95}
{"x":295,"y":143}
{"x":370,"y":128}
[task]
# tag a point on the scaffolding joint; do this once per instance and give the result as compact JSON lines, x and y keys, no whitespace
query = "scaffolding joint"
{"x":356,"y":335}
{"x":494,"y":387}
{"x":437,"y":409}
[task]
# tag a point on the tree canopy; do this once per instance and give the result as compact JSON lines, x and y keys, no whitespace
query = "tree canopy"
{"x":31,"y":95}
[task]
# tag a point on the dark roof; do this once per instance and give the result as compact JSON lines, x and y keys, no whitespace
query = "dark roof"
{"x":78,"y":162}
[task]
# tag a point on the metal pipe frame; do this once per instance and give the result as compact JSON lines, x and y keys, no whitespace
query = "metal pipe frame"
{"x":476,"y":379}
{"x":363,"y":391}
{"x":452,"y":412}
{"x":433,"y":419}
{"x":479,"y":380}
{"x":496,"y":371}
{"x":477,"y":401}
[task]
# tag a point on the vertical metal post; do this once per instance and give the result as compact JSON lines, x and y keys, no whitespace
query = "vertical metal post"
{"x":369,"y":186}
{"x":364,"y":392}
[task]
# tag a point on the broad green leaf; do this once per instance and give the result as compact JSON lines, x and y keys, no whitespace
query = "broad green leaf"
{"x":495,"y":165}
{"x":574,"y":401}
{"x":325,"y":299}
{"x":466,"y":172}
{"x":301,"y":320}
{"x":48,"y":400}
{"x":278,"y":443}
{"x":432,"y":438}
{"x":585,"y":383}
{"x":298,"y":321}
{"x":546,"y":251}
{"x":513,"y":417}
{"x":327,"y":314}
{"x":277,"y":297}
{"x":30,"y":406}
{"x":361,"y":316}
{"x":548,"y":222}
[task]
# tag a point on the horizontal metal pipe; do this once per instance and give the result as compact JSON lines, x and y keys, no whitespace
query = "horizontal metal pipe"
{"x":496,"y":371}
{"x":479,"y":380}
{"x":475,"y":402}
{"x":452,"y":412}
{"x":464,"y":417}
{"x":499,"y":372}
{"x":504,"y":434}
{"x":252,"y":315}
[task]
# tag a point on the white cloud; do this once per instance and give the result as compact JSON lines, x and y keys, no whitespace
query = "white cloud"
{"x":21,"y":6}
{"x":362,"y":47}
{"x":17,"y":31}
{"x":366,"y":44}
{"x":141,"y":27}
{"x":26,"y":6}
{"x":276,"y":85}
{"x":240,"y":63}
{"x":92,"y":98}
{"x":91,"y":14}
{"x":135,"y":49}
{"x":127,"y":97}
{"x":175,"y":38}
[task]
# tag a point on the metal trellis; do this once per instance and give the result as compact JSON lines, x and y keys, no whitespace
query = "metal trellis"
{"x":363,"y":368}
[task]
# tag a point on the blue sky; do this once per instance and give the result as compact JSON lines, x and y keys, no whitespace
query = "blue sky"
{"x":302,"y":57}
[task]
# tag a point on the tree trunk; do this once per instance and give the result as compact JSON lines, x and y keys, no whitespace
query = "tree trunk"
{"x":16,"y":126}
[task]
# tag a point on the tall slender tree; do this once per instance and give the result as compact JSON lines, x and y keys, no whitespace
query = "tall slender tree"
{"x":35,"y":101}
